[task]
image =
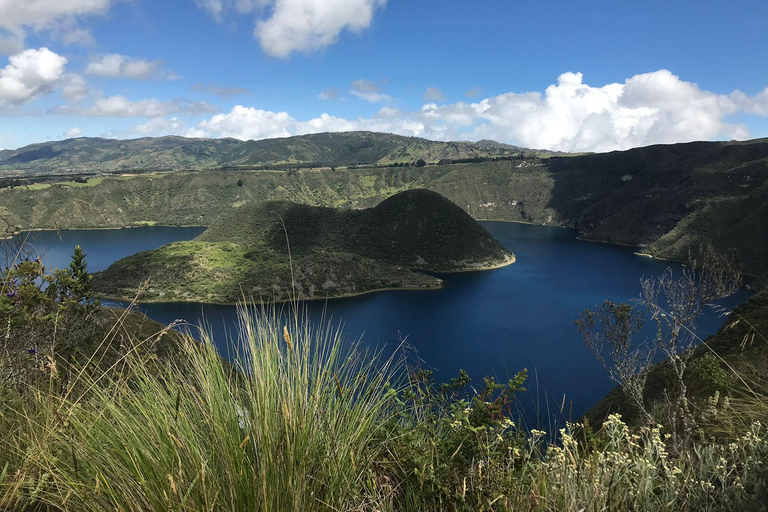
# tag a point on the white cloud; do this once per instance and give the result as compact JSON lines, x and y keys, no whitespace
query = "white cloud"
{"x":74,"y":88}
{"x":73,"y":133}
{"x":59,"y":16}
{"x":160,"y":126}
{"x":651,"y":108}
{"x":287,"y":26}
{"x":222,"y":92}
{"x":646,"y":109}
{"x":308,"y":25}
{"x":120,"y":106}
{"x":246,"y":123}
{"x":368,"y":91}
{"x":433,"y":94}
{"x":30,"y":74}
{"x":114,"y":65}
{"x":249,"y":123}
{"x":757,"y":105}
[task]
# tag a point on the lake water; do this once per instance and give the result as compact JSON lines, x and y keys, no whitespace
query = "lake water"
{"x":488,"y":323}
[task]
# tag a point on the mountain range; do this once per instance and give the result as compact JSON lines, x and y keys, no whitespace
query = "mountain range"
{"x":664,"y":199}
{"x":94,"y":155}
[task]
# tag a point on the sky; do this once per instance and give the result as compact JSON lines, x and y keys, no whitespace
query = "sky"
{"x":592,"y":75}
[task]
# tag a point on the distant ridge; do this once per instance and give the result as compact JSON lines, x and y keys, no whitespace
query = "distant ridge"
{"x":176,"y":153}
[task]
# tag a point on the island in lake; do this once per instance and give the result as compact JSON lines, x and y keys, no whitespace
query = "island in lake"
{"x":278,"y":251}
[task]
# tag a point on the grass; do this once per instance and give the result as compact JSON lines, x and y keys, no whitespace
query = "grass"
{"x":224,"y":272}
{"x":304,"y":421}
{"x":290,"y":426}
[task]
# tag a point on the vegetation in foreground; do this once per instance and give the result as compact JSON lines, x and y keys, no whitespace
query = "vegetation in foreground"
{"x":302,"y":420}
{"x":302,"y":423}
{"x":332,"y":253}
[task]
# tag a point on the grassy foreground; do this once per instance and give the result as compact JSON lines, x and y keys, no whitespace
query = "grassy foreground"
{"x":302,"y":421}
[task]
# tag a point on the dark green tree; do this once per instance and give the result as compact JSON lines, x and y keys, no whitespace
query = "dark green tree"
{"x":81,"y":279}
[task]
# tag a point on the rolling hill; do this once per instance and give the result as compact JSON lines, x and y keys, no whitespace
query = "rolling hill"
{"x":663,"y":199}
{"x":281,"y":250}
{"x":96,"y":155}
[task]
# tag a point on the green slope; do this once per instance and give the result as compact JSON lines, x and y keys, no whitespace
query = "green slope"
{"x":332,"y":253}
{"x":741,"y":344}
{"x":174,"y":153}
{"x":665,"y":199}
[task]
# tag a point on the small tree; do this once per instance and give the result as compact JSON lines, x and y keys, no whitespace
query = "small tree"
{"x":420,"y":162}
{"x":46,"y":317}
{"x":608,"y":333}
{"x":81,"y":279}
{"x":672,"y":304}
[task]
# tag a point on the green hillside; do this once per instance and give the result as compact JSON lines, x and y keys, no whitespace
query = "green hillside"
{"x":95,"y":155}
{"x":740,"y":346}
{"x":332,"y":253}
{"x":665,"y":199}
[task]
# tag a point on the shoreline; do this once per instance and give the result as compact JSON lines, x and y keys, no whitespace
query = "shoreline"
{"x":117,"y":228}
{"x":266,"y":303}
{"x":495,"y":266}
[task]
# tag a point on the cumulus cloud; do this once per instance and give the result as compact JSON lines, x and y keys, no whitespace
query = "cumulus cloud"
{"x":287,"y":26}
{"x":249,"y":123}
{"x":120,"y":106}
{"x":757,"y":105}
{"x":433,"y":94}
{"x":222,"y":92}
{"x":30,"y":74}
{"x":246,"y":123}
{"x":74,"y":88}
{"x":73,"y":133}
{"x":114,"y":65}
{"x":61,"y":17}
{"x":160,"y":126}
{"x":368,"y":91}
{"x":651,"y":108}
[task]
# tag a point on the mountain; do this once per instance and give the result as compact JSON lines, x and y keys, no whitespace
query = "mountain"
{"x":273,"y":250}
{"x":89,"y":155}
{"x":664,"y":199}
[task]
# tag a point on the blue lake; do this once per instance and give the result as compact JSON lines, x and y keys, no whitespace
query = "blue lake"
{"x":488,"y":323}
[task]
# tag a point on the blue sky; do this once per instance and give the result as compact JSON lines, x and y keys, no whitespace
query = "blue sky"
{"x":575,"y":76}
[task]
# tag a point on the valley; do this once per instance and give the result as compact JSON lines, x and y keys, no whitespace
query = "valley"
{"x":666,"y":200}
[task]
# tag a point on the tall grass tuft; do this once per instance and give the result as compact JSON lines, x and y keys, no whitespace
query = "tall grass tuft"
{"x":290,"y":425}
{"x":301,"y":420}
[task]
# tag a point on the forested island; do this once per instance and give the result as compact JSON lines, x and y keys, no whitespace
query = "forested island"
{"x":278,"y":251}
